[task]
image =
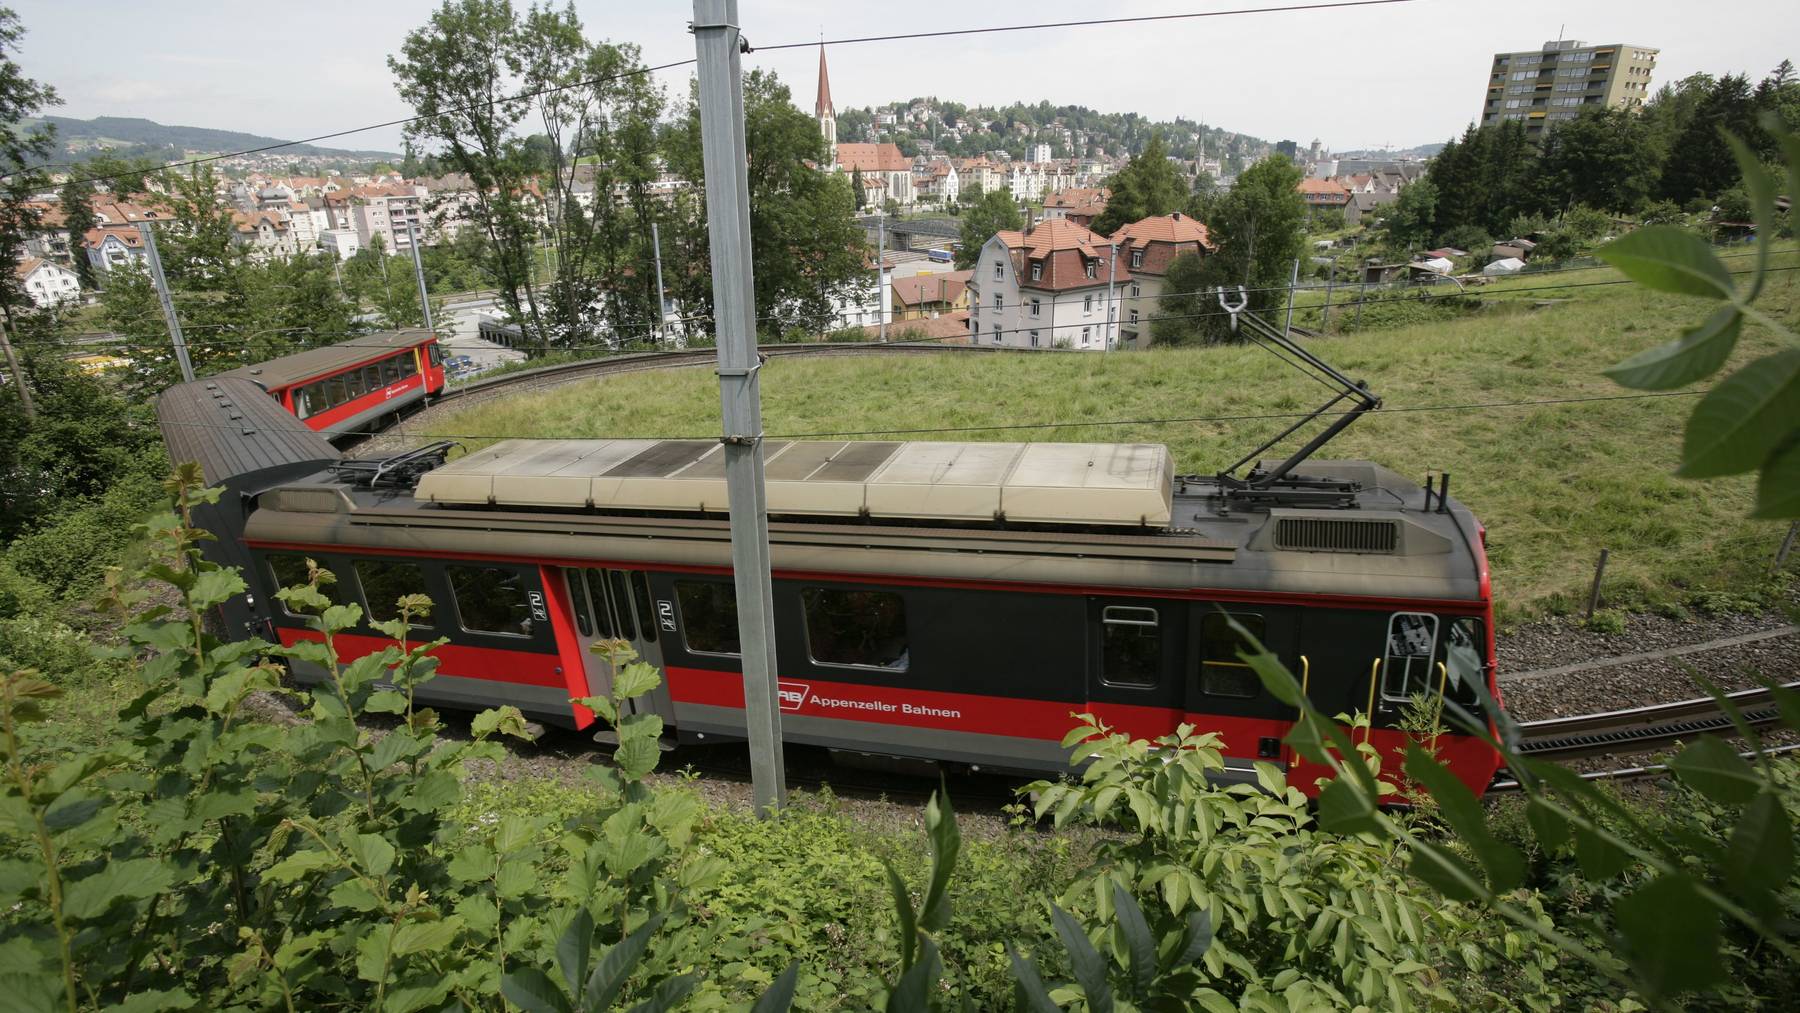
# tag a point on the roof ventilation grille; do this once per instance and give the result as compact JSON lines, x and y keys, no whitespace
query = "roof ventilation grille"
{"x":1323,"y":534}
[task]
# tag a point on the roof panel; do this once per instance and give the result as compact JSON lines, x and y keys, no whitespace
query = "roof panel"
{"x":315,"y":362}
{"x":1056,"y":483}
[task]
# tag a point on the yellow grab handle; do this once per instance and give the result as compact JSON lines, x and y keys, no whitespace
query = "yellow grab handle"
{"x":1374,"y":674}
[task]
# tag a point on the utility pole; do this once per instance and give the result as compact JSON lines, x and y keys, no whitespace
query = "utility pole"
{"x":1330,"y":280}
{"x":717,"y":42}
{"x":662,"y":312}
{"x":148,"y":235}
{"x":412,"y":238}
{"x":1112,"y":272}
{"x":881,"y":308}
{"x":1293,"y":279}
{"x":18,"y":373}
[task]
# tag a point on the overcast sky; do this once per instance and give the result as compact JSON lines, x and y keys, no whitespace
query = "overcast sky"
{"x":1403,"y":74}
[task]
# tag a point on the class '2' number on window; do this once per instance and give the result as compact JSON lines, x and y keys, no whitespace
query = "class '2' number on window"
{"x":538,"y":611}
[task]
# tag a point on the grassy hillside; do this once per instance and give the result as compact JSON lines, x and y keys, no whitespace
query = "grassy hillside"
{"x":1553,"y":483}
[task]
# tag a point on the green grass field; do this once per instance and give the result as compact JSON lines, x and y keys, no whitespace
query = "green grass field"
{"x":1553,"y":483}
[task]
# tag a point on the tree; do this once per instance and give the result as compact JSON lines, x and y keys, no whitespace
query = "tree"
{"x":1259,"y":226}
{"x":1410,"y":223}
{"x":1700,"y":163}
{"x":993,"y":212}
{"x":856,"y":187}
{"x":1596,"y":159}
{"x":77,"y":200}
{"x":1148,"y":185}
{"x":21,"y":153}
{"x":808,"y":250}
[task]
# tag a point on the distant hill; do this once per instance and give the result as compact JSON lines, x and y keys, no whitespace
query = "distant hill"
{"x":79,"y":137}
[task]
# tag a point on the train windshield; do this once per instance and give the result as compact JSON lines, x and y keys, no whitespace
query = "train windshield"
{"x":1464,"y":656}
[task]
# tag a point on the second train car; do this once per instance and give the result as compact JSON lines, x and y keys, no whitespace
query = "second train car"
{"x":348,"y":387}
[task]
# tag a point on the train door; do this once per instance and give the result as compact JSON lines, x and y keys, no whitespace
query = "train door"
{"x":1225,"y":694}
{"x":1134,"y":661}
{"x":614,"y":604}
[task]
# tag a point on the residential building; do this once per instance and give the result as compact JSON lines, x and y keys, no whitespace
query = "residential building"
{"x":924,"y":296}
{"x":1038,"y":153}
{"x":867,"y":302}
{"x":340,"y":243}
{"x":1539,"y":87}
{"x":114,"y":246}
{"x":267,"y":233}
{"x":1044,"y":287}
{"x":1148,"y":246}
{"x":1323,"y":195}
{"x":1080,"y":205}
{"x":979,"y":173}
{"x":46,"y":283}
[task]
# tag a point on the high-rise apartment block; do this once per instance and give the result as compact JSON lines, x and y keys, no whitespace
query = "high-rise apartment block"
{"x":1542,"y":86}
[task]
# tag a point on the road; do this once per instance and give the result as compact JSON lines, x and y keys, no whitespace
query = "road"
{"x":458,"y":331}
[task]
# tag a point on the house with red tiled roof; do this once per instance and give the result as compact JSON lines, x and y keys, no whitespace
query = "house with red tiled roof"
{"x":1078,"y":204}
{"x":113,"y":246}
{"x":267,"y":232}
{"x":1322,"y":195}
{"x":1045,"y":287}
{"x":924,"y":296}
{"x":1147,"y":247}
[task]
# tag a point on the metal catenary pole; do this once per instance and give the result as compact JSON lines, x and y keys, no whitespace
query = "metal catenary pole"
{"x":662,"y":305}
{"x":412,"y":240}
{"x":1112,"y":265}
{"x":1293,"y":279}
{"x":717,"y":39}
{"x":148,"y":235}
{"x":881,"y":308}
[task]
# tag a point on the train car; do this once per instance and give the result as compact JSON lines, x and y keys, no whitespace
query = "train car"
{"x":952,"y":602}
{"x":349,"y":386}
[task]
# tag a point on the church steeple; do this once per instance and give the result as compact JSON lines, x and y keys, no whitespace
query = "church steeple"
{"x":826,"y":114}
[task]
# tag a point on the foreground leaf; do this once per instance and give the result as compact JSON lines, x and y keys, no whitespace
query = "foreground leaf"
{"x":1715,"y":770}
{"x":1778,"y":488}
{"x":1697,"y":354}
{"x":1671,"y":935}
{"x":1669,"y":259}
{"x":1744,"y":418}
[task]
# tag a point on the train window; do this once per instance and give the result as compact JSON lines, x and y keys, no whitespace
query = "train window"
{"x":596,"y":588}
{"x":353,"y":381}
{"x":1131,"y":646}
{"x":1411,"y":640}
{"x":385,"y":583}
{"x":866,"y":629}
{"x":640,"y":593}
{"x":709,"y":618}
{"x":372,"y":378}
{"x":390,"y":369}
{"x":436,"y":353}
{"x":621,"y":596}
{"x":1222,"y":672}
{"x":306,"y":401}
{"x":407,"y":366}
{"x":490,"y":600}
{"x":1465,"y":653}
{"x":578,"y":600}
{"x":334,"y":391}
{"x":290,"y":571}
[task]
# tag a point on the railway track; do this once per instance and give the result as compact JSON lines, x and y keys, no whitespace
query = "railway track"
{"x":632,"y":362}
{"x":1642,"y":728}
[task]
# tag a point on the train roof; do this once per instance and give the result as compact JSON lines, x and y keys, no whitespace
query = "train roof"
{"x":316,"y":362}
{"x":1100,"y":484}
{"x":1395,"y":542}
{"x":234,"y":429}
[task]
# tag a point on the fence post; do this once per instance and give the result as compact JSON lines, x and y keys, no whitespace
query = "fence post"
{"x":1787,"y":546}
{"x":1594,"y":595}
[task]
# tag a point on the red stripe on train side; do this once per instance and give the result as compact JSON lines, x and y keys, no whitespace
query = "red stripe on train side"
{"x":489,"y":664}
{"x":1453,"y":606}
{"x":562,"y":621}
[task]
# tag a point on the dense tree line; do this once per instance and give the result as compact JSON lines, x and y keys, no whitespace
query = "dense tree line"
{"x":1114,"y":133}
{"x":1258,"y":228}
{"x":1495,"y":181}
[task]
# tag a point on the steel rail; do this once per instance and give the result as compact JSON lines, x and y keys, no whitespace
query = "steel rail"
{"x":1639,"y":728}
{"x":1638,"y":773}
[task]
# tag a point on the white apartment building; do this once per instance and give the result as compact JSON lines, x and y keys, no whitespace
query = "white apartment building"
{"x":1146,"y":248}
{"x":46,"y":283}
{"x":1045,"y":287}
{"x":112,"y":247}
{"x":340,"y":243}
